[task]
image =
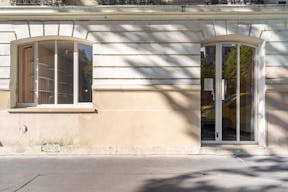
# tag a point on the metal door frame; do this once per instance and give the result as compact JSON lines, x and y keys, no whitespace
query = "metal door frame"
{"x":218,"y":92}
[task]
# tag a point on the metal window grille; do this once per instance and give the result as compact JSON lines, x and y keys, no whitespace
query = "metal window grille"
{"x":234,"y":1}
{"x":36,"y":2}
{"x":136,"y":2}
{"x":127,"y":2}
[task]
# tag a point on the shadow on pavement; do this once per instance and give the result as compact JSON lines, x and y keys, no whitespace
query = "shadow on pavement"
{"x":259,"y":174}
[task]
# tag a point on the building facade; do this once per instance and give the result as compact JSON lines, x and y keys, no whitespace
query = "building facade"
{"x":153,"y":79}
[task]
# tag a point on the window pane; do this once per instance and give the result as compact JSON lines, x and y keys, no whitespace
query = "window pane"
{"x":65,"y":72}
{"x":229,"y":86}
{"x":26,"y":74}
{"x":85,"y":73}
{"x":208,"y":110}
{"x":246,"y":93}
{"x":46,"y":72}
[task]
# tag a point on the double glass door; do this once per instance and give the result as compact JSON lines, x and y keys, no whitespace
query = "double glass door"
{"x":227,"y":93}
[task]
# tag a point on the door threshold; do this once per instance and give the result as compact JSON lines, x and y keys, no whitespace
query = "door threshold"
{"x":233,"y":149}
{"x":204,"y":143}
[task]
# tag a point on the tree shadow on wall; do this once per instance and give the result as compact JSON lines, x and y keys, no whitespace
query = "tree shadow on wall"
{"x":160,"y":68}
{"x":149,"y":38}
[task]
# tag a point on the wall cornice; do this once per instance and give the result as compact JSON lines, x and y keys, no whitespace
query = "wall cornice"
{"x":167,"y":12}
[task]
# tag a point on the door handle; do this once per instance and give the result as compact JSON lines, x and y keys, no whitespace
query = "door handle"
{"x":223,"y":89}
{"x":213,"y":95}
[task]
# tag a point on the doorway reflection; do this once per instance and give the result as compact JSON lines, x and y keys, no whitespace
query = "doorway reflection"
{"x":227,"y":98}
{"x":208,"y":97}
{"x":246,"y":93}
{"x":228,"y":92}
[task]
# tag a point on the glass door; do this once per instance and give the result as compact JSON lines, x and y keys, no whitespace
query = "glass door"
{"x":227,"y":93}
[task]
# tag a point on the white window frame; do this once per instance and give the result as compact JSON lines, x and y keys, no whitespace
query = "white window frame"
{"x":76,"y":102}
{"x":259,"y":92}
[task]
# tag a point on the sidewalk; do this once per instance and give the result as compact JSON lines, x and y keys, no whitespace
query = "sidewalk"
{"x":143,"y":173}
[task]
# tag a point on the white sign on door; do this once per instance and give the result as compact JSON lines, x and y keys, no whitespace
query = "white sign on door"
{"x":208,"y":84}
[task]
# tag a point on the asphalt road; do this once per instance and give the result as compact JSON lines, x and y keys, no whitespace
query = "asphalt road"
{"x":143,"y":174}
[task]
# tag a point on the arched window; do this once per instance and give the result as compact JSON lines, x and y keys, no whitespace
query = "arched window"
{"x":54,"y":72}
{"x":228,"y":93}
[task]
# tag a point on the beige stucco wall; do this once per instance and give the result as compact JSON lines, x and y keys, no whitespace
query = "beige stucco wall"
{"x":147,"y":98}
{"x":4,"y":100}
{"x":125,"y":119}
{"x":276,"y":90}
{"x":4,"y":2}
{"x":276,"y":117}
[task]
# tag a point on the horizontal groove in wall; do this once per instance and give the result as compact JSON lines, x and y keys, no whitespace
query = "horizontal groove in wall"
{"x":148,"y":87}
{"x":147,"y":66}
{"x":277,"y":53}
{"x":145,"y":37}
{"x":145,"y":42}
{"x":155,"y":25}
{"x":151,"y":78}
{"x":146,"y":82}
{"x":149,"y":43}
{"x":149,"y":54}
{"x":151,"y":73}
{"x":4,"y":83}
{"x":276,"y":88}
{"x":276,"y":60}
{"x":280,"y":72}
{"x":145,"y":110}
{"x":5,"y":72}
{"x":147,"y":60}
{"x":145,"y":30}
{"x":278,"y":81}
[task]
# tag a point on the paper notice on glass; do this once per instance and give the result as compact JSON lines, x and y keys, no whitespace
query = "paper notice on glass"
{"x":208,"y":84}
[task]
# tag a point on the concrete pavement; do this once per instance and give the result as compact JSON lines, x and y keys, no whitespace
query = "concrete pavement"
{"x":143,"y":174}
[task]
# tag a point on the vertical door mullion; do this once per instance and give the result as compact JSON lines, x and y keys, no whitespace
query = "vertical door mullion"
{"x":218,"y":83}
{"x":75,"y":74}
{"x":36,"y":75}
{"x":56,"y":73}
{"x":256,"y":69}
{"x":238,"y":95}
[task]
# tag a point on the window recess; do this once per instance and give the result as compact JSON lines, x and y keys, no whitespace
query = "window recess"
{"x":54,"y":72}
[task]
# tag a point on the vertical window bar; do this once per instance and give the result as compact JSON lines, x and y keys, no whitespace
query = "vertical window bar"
{"x":218,"y":84}
{"x":238,"y":95}
{"x":56,"y":74}
{"x":75,"y":74}
{"x":36,"y":75}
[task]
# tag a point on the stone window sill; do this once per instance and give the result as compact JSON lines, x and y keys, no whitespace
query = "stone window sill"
{"x":53,"y":110}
